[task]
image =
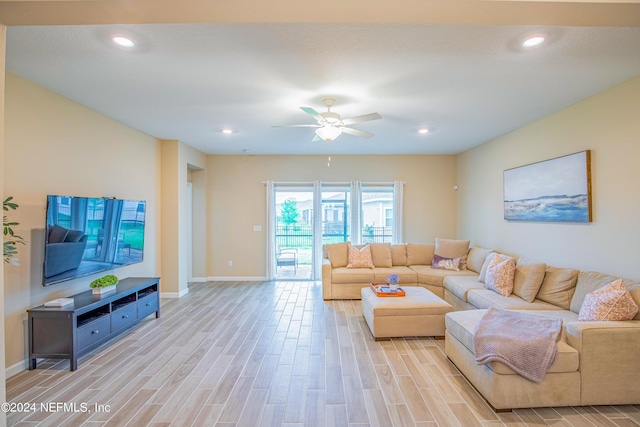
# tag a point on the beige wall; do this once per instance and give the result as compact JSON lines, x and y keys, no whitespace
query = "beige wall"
{"x":56,"y":146}
{"x":237,"y":199}
{"x":609,"y":125}
{"x":177,"y":160}
{"x":3,"y":389}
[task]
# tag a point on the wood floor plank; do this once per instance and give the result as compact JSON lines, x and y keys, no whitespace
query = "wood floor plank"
{"x":235,"y":354}
{"x":377,"y":408}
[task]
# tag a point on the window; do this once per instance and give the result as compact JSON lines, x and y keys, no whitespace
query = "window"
{"x":377,"y":214}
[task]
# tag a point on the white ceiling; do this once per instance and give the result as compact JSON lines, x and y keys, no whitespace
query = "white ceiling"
{"x":467,"y":83}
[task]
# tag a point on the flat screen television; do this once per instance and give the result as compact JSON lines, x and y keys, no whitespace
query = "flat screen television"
{"x":87,"y":235}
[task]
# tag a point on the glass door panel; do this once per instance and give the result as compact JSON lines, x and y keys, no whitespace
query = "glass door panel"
{"x":294,"y":234}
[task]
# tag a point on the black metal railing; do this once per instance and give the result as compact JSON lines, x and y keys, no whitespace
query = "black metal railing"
{"x":295,"y":236}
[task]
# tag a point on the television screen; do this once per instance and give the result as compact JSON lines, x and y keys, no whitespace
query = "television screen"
{"x":86,"y":235}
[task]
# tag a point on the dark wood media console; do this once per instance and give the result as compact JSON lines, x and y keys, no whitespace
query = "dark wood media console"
{"x":71,"y":331}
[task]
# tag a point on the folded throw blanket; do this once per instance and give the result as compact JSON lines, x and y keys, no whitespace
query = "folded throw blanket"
{"x":524,"y":342}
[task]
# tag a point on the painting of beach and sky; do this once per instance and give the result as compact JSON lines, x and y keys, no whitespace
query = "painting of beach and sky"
{"x":553,"y":190}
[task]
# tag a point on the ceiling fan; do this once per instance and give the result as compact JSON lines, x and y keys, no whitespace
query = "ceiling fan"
{"x":330,"y":125}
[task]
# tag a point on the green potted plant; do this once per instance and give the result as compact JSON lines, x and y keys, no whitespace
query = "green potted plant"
{"x":11,"y":240}
{"x":104,"y":284}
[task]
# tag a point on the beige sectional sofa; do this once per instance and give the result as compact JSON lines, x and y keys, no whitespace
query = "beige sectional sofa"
{"x":411,"y":262}
{"x":597,"y":362}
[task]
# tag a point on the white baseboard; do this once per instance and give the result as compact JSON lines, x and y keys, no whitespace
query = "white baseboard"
{"x":198,"y":279}
{"x":236,"y":279}
{"x":174,"y":294}
{"x":16,"y":368}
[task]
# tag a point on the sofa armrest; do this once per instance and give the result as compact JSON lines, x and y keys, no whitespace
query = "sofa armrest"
{"x":609,"y":361}
{"x":326,"y":279}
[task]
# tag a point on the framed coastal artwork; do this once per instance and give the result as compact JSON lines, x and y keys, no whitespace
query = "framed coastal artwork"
{"x":555,"y":190}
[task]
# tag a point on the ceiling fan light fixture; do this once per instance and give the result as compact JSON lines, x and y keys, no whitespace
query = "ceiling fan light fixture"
{"x":423,"y":131}
{"x":328,"y":133}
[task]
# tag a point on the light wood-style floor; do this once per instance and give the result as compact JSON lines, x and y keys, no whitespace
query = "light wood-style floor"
{"x":270,"y":354}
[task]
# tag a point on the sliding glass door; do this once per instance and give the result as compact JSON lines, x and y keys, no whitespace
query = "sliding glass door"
{"x":293,"y":233}
{"x":305,"y":216}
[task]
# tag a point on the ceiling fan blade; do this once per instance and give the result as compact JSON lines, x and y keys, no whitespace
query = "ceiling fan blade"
{"x":356,"y":132}
{"x":363,"y":118}
{"x":296,"y":126}
{"x":313,"y":113}
{"x":316,"y":138}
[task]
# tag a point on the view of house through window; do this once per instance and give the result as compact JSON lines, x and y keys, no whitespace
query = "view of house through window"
{"x":377,"y":215}
{"x":294,"y":236}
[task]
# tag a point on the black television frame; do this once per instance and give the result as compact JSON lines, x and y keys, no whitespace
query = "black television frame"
{"x":89,"y":235}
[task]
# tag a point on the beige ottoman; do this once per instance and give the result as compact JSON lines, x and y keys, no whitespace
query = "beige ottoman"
{"x":420,"y":313}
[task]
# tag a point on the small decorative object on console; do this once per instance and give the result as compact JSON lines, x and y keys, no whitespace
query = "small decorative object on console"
{"x":382,"y":289}
{"x":104,"y":284}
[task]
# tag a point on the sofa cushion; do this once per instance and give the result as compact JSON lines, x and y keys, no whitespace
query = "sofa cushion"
{"x":360,"y":258}
{"x":487,"y":263}
{"x":461,"y":285}
{"x":442,"y":263}
{"x":435,"y":277}
{"x":589,"y":281}
{"x":419,"y":254}
{"x":381,"y":254}
{"x":462,"y":324}
{"x":612,"y":302}
{"x":476,"y":258}
{"x":406,"y":275}
{"x":338,"y":254}
{"x":399,"y":255}
{"x":485,"y":298}
{"x":528,"y":278}
{"x":558,"y":286}
{"x":500,"y":276}
{"x":57,"y":234}
{"x":352,"y":275}
{"x":450,"y":248}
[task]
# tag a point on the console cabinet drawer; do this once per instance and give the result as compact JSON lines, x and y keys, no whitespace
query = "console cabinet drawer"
{"x":94,"y":331}
{"x":123,"y":317}
{"x":147,"y":305}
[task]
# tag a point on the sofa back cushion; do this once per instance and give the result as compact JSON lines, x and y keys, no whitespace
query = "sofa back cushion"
{"x":589,"y":281}
{"x":449,"y":248}
{"x":399,"y":254}
{"x":338,"y":254}
{"x":558,"y":286}
{"x":57,"y":234}
{"x":528,"y":278}
{"x":419,"y":254}
{"x":381,"y":254}
{"x":476,"y":258}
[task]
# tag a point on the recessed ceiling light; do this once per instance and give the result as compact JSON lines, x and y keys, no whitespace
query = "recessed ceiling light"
{"x":227,"y":131}
{"x":423,"y":131}
{"x":123,"y":41}
{"x":533,"y":41}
